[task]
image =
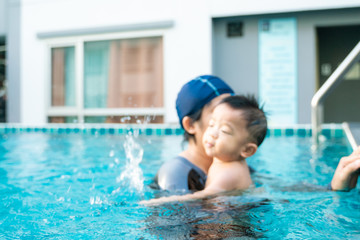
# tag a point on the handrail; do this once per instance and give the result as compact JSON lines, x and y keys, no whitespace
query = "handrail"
{"x":331,"y":83}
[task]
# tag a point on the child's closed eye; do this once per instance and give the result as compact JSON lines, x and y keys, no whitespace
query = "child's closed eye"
{"x":225,"y":130}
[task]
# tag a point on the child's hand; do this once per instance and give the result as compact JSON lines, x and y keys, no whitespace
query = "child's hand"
{"x":157,"y":201}
{"x":149,"y":202}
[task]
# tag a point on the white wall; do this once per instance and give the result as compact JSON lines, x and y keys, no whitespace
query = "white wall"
{"x":221,"y":8}
{"x":187,"y":49}
{"x":13,"y":65}
{"x":187,"y":46}
{"x":3,"y":17}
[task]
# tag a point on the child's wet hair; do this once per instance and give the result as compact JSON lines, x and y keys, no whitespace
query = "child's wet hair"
{"x":252,"y":113}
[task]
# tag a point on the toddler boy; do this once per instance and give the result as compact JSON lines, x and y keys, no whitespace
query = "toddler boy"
{"x":237,"y":128}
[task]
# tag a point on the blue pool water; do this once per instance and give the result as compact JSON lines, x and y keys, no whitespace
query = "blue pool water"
{"x":76,"y":186}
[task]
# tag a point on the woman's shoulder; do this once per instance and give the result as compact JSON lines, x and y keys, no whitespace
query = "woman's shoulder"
{"x":176,"y":174}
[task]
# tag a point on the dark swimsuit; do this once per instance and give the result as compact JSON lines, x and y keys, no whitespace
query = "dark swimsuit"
{"x":180,"y":174}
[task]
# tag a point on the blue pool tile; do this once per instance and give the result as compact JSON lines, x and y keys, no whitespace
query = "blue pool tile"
{"x":339,"y":133}
{"x":168,"y":131}
{"x":301,"y":132}
{"x":268,"y":132}
{"x":326,"y":132}
{"x":130,"y":131}
{"x":148,"y":131}
{"x":179,"y":131}
{"x":277,"y":132}
{"x":158,"y":131}
{"x":289,"y":132}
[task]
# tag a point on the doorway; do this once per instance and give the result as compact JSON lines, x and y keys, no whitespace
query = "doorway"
{"x":334,"y":44}
{"x":2,"y":80}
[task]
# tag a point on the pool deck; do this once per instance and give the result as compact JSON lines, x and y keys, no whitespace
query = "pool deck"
{"x":354,"y":133}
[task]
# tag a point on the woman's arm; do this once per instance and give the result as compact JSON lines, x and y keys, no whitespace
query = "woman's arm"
{"x":347,"y":172}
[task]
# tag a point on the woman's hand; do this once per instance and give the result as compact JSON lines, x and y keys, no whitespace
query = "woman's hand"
{"x":347,"y":172}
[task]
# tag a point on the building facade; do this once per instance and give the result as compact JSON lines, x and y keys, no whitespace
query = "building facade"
{"x":102,"y":61}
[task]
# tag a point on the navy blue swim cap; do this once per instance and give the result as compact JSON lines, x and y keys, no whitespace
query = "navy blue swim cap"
{"x":196,"y":93}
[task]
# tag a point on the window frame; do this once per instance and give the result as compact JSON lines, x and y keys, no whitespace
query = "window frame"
{"x":79,"y":110}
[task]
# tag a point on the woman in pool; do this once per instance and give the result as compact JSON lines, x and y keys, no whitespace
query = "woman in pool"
{"x":194,"y":104}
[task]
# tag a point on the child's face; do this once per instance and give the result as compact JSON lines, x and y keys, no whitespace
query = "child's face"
{"x":226,"y":135}
{"x":206,"y":114}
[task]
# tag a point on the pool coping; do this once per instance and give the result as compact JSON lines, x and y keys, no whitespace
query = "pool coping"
{"x":301,"y":130}
{"x":352,"y":132}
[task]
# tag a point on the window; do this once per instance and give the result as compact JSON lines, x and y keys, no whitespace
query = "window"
{"x":63,"y":76}
{"x":119,"y":77}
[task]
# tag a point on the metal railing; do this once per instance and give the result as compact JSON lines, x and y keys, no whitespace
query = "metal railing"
{"x":331,"y":83}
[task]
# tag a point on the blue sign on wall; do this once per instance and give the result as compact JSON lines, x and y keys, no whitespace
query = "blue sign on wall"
{"x":278,"y":69}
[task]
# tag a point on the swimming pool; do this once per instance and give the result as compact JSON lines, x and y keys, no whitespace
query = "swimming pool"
{"x":72,"y":183}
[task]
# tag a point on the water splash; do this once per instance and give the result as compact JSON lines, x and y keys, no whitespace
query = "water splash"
{"x":132,"y":176}
{"x":124,"y":119}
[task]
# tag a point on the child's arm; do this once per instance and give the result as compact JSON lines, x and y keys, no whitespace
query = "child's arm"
{"x":178,"y":198}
